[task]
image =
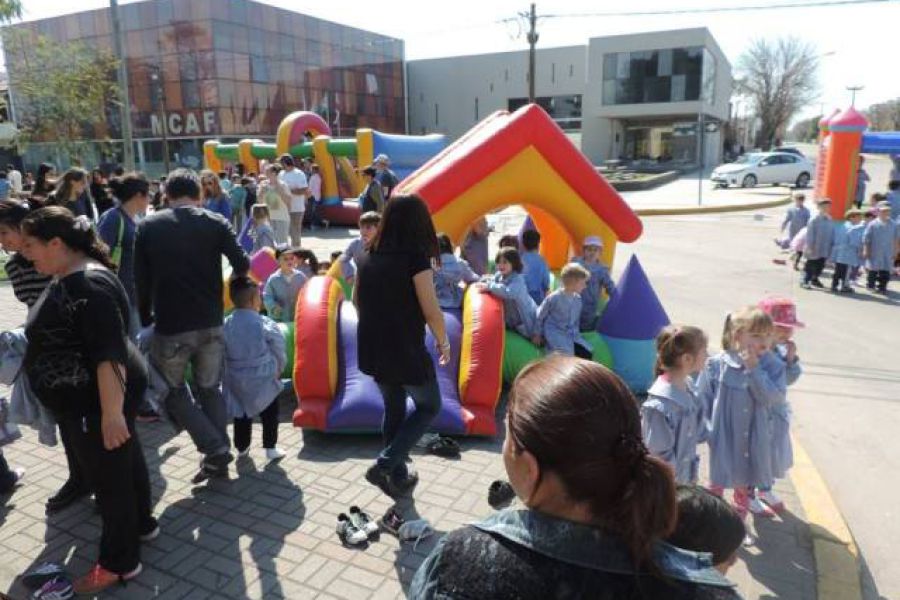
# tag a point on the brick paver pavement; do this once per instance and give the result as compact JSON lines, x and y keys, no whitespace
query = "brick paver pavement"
{"x":268,"y":532}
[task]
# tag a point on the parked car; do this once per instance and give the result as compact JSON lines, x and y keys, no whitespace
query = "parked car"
{"x":764,"y":167}
{"x":789,"y":150}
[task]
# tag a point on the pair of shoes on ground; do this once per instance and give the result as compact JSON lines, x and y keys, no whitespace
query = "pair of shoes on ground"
{"x":356,"y":529}
{"x":439,"y":445}
{"x":389,"y":484}
{"x":272,"y":454}
{"x":761,"y":504}
{"x":70,"y":493}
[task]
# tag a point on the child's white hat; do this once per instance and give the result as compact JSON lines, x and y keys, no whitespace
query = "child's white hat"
{"x":592,"y":240}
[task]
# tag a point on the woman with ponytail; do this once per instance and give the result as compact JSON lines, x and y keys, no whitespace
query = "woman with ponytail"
{"x":83,"y":368}
{"x":597,"y":504}
{"x":73,"y":194}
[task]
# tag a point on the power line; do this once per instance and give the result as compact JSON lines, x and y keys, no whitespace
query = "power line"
{"x":711,"y":9}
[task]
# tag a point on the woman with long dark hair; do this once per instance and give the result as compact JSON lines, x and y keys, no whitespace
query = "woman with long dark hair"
{"x":395,"y":296}
{"x":44,"y":184}
{"x":83,"y":368}
{"x":597,"y":504}
{"x":73,"y":194}
{"x":102,"y":199}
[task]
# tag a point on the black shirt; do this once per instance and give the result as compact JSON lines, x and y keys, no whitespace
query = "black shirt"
{"x":81,"y":322}
{"x":391,"y":330}
{"x":178,"y":268}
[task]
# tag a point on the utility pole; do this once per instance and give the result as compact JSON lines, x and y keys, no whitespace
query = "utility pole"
{"x":156,"y":76}
{"x":701,"y":135}
{"x":853,"y":89}
{"x":119,"y":46}
{"x":532,"y":41}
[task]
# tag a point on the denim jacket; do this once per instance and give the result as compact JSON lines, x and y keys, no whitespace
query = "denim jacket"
{"x":527,"y":554}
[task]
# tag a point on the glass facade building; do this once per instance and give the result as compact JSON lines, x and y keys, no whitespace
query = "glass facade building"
{"x":670,"y":75}
{"x":232,"y":69}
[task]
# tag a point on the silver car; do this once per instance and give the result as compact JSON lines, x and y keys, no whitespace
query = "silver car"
{"x":757,"y":168}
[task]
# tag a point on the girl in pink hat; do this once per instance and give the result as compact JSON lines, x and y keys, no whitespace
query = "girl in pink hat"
{"x":782,"y":365}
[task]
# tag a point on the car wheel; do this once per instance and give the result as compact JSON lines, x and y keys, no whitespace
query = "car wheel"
{"x":749,"y":181}
{"x":802,"y":180}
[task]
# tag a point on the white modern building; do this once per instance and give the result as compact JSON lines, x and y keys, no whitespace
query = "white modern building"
{"x":628,"y":96}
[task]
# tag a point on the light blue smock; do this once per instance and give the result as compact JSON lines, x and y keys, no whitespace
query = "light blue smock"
{"x":819,"y":237}
{"x":518,"y":308}
{"x":537,"y":276}
{"x":737,"y":402}
{"x":557,"y":322}
{"x":280,"y":294}
{"x":447,"y":279}
{"x":351,"y":256}
{"x":672,"y":423}
{"x":774,"y":363}
{"x":254,"y":359}
{"x":796,"y":218}
{"x":880,"y":239}
{"x":590,"y":297}
{"x":848,"y":239}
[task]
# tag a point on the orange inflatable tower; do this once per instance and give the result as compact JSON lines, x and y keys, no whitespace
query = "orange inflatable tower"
{"x":842,"y":159}
{"x":822,"y":159}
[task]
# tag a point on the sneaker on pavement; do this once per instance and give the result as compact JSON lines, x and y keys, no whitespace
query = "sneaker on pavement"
{"x":391,"y":521}
{"x":58,"y":588}
{"x":67,"y":495}
{"x":773,"y":501}
{"x":391,"y":486}
{"x":273,"y":454}
{"x":99,"y":579}
{"x":759,"y":508}
{"x":350,"y":534}
{"x":41,"y":574}
{"x":362,"y":522}
{"x":151,"y":531}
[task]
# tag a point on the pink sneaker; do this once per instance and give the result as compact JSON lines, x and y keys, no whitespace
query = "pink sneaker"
{"x":773,"y":501}
{"x":741,"y":502}
{"x":760,"y":508}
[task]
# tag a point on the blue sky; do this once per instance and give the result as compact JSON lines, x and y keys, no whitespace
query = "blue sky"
{"x":861,"y":37}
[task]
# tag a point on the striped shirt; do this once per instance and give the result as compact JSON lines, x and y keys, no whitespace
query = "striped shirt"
{"x":27,"y":283}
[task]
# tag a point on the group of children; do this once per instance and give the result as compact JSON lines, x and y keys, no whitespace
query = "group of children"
{"x":870,"y":239}
{"x":735,"y":401}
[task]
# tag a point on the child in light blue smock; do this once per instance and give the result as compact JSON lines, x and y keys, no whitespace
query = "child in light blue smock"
{"x":261,"y":232}
{"x":451,"y":275}
{"x":559,"y":314}
{"x":847,"y":253}
{"x":508,"y":284}
{"x":795,"y":219}
{"x":282,"y":288}
{"x":819,"y":241}
{"x":599,"y":281}
{"x":737,"y":396}
{"x":350,"y":257}
{"x":672,"y":418}
{"x":536,"y":273}
{"x":880,"y":247}
{"x":782,"y":365}
{"x":254,"y":359}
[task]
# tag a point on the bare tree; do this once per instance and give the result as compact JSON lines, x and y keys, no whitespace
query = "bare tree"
{"x":884,"y":116}
{"x":781,"y":78}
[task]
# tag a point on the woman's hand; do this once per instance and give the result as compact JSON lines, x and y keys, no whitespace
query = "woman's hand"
{"x":115,"y":430}
{"x":444,"y":349}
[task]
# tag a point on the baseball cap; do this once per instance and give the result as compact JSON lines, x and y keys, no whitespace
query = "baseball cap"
{"x":592,"y":240}
{"x":782,"y":310}
{"x":382,"y":158}
{"x":884,"y":205}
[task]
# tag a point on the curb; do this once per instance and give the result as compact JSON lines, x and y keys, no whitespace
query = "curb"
{"x":834,"y":549}
{"x":699,"y":210}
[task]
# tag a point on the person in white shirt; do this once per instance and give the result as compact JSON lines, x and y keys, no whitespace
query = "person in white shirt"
{"x":295,"y":179}
{"x":15,"y":179}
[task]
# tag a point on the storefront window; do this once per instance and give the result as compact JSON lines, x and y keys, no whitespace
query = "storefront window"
{"x":669,"y":75}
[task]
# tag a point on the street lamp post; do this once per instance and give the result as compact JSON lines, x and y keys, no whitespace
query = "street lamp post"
{"x":156,"y":77}
{"x":853,"y":89}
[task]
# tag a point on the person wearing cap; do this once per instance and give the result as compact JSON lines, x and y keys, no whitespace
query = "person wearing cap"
{"x":371,"y":199}
{"x":819,"y":242}
{"x":384,"y":176}
{"x":881,"y":242}
{"x":599,"y":280}
{"x":781,"y":364}
{"x":295,"y":180}
{"x":847,"y":253}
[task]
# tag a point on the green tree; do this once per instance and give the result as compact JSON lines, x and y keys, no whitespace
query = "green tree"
{"x":63,"y":93}
{"x":884,"y":116}
{"x":780,"y":77}
{"x":806,"y":130}
{"x":9,"y":10}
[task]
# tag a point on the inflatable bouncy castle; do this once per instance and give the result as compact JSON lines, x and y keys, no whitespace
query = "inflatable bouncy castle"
{"x":521,"y":158}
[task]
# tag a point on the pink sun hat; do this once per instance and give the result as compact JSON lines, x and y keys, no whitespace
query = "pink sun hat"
{"x":782,"y":310}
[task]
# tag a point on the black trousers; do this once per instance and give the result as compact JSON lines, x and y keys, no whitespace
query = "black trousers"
{"x":121,"y":485}
{"x":878,"y":278}
{"x":841,"y":271}
{"x":813,"y":268}
{"x":7,"y":477}
{"x":67,"y":431}
{"x":269,"y":419}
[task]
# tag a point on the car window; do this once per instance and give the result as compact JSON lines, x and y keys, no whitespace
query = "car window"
{"x":768,"y":161}
{"x":789,"y":159}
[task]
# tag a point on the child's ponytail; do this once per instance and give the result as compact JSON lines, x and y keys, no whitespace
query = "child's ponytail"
{"x":673,"y":342}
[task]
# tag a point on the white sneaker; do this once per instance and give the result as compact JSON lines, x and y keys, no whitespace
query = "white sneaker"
{"x":773,"y":501}
{"x":758,"y":507}
{"x":275,"y":453}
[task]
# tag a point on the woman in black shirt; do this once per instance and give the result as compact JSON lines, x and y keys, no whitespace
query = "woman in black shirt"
{"x":83,"y":368}
{"x":395,"y":297}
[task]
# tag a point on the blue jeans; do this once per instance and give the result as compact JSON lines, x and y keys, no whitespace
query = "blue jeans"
{"x":204,"y":349}
{"x":401,"y":432}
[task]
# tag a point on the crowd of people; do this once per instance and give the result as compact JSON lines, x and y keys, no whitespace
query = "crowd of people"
{"x":868,"y":239}
{"x":599,"y":475}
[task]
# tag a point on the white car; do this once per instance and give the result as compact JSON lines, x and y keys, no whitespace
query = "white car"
{"x":764,"y":167}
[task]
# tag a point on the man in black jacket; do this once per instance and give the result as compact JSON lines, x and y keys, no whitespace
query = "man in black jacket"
{"x":178,"y":279}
